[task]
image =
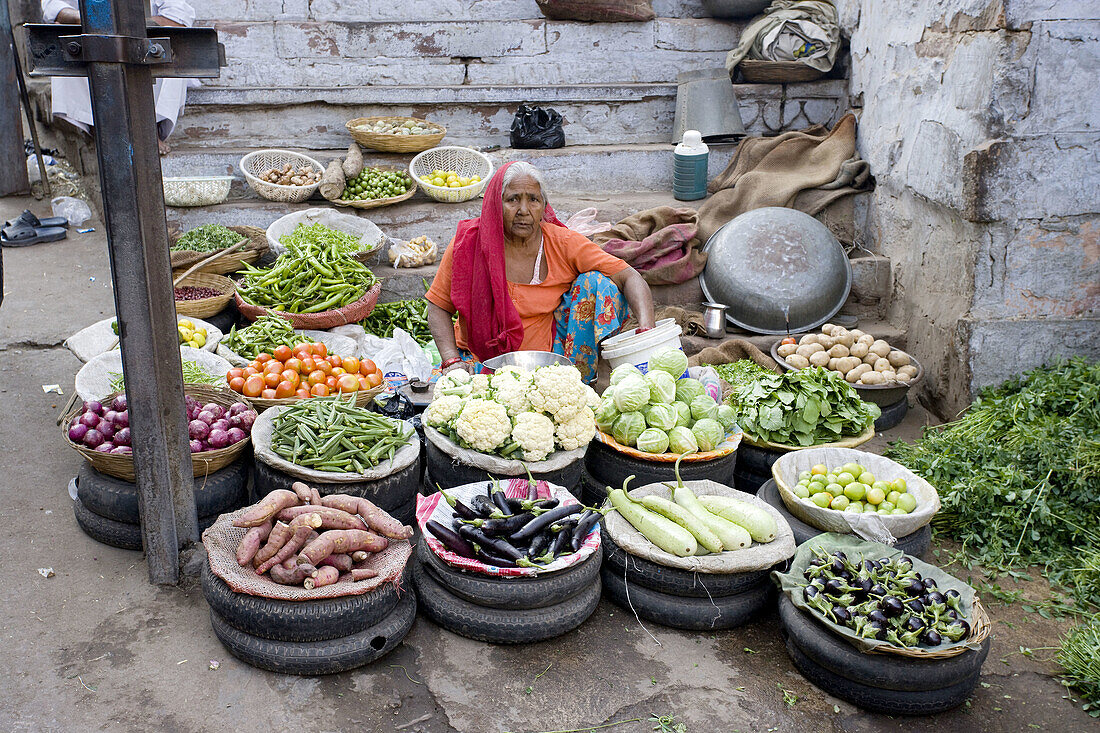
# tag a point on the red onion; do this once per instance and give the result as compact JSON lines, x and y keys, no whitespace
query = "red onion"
{"x":198,"y":429}
{"x":93,"y":406}
{"x":104,"y":447}
{"x":119,"y":403}
{"x":206,"y":417}
{"x":90,"y":419}
{"x":122,"y":437}
{"x":215,"y":409}
{"x":122,"y":419}
{"x":93,"y":438}
{"x":120,"y":449}
{"x":109,"y":415}
{"x":107,"y":429}
{"x":236,"y":435}
{"x":218,"y":439}
{"x":237,"y":408}
{"x":190,"y":401}
{"x":247,"y":418}
{"x":220,"y":424}
{"x":234,"y":421}
{"x":77,"y":432}
{"x":196,"y":446}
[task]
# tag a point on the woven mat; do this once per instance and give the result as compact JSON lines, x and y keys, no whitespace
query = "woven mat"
{"x":221,"y":540}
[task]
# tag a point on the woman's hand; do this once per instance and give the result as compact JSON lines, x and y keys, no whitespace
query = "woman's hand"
{"x":466,"y":366}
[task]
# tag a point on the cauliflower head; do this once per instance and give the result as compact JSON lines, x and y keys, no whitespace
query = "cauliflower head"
{"x":442,"y":410}
{"x":483,"y":424}
{"x":577,"y":431}
{"x":591,"y":398}
{"x":479,"y":385}
{"x":534,"y":432}
{"x":557,"y":390}
{"x":510,"y":389}
{"x":456,"y":382}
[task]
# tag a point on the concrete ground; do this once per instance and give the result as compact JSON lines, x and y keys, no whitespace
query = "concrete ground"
{"x":96,"y":647}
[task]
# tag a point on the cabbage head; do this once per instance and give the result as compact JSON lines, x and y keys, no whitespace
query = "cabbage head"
{"x":670,"y":361}
{"x":688,"y":389}
{"x":682,"y":440}
{"x":662,"y":417}
{"x":727,"y":416}
{"x":708,"y":433}
{"x":662,"y":387}
{"x":622,"y":371}
{"x":628,"y":427}
{"x":704,"y":406}
{"x":683,"y":414}
{"x":606,"y":414}
{"x":653,"y":440}
{"x":631,"y":394}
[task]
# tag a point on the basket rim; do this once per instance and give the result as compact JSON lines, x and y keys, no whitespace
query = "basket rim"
{"x":441,"y":189}
{"x":254,"y":178}
{"x":378,"y":203}
{"x":352,"y":123}
{"x":194,"y":179}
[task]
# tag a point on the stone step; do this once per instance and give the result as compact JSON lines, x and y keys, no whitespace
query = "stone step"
{"x":313,"y":114}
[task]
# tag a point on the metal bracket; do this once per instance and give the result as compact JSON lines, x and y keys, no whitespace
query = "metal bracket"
{"x":116,"y":49}
{"x":61,"y":50}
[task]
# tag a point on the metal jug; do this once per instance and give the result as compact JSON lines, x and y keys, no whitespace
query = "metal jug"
{"x":705,"y":101}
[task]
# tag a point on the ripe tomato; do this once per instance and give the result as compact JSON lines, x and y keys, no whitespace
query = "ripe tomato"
{"x":302,"y":392}
{"x":375,"y":378}
{"x":316,"y":377}
{"x":347,"y":383}
{"x":339,"y":371}
{"x":289,"y":375}
{"x":253,"y":385}
{"x":273,"y":367}
{"x":272,"y":379}
{"x":296,"y":364}
{"x":284,"y":389}
{"x":233,"y":374}
{"x":788,"y":340}
{"x":319,"y":349}
{"x":268,"y":394}
{"x":263,"y":357}
{"x":281,"y":353}
{"x":319,"y":390}
{"x":351,"y":365}
{"x":324,"y":366}
{"x":250,"y":370}
{"x":336,"y":361}
{"x":331,"y":382}
{"x":308,"y":365}
{"x":301,"y":351}
{"x":236,"y":384}
{"x":364,"y":383}
{"x":366,"y":367}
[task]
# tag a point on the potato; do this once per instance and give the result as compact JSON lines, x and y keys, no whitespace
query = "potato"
{"x":866,"y":339}
{"x":904,"y":378}
{"x":881,"y":365}
{"x":839,"y":351}
{"x":804,"y":350}
{"x":880,"y":347}
{"x":810,"y":338}
{"x":889,"y":375}
{"x":847,"y":364}
{"x":856,"y":332}
{"x":859,"y":349}
{"x":853,"y":376}
{"x":798,"y":361}
{"x":872,"y":378}
{"x":826,"y":342}
{"x":786,"y":350}
{"x":847,"y":338}
{"x":831,"y":366}
{"x":828,"y":328}
{"x":819,"y":358}
{"x":898,"y":358}
{"x":909,"y":370}
{"x":871,"y":358}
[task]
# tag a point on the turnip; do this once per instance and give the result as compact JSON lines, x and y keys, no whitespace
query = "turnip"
{"x":218,"y":439}
{"x":236,"y":435}
{"x":237,"y":408}
{"x":196,"y":446}
{"x":247,"y":419}
{"x":206,"y":416}
{"x":220,"y":424}
{"x":214,"y":409}
{"x":198,"y":429}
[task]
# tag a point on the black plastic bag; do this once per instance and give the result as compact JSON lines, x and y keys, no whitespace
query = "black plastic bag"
{"x":397,"y":407}
{"x":535,"y":127}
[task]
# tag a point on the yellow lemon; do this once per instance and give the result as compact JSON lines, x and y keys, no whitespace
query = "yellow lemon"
{"x":454,"y":184}
{"x":475,"y":179}
{"x":437,"y":181}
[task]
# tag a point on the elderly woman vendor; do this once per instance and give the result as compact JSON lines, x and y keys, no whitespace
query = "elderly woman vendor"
{"x":520,"y":280}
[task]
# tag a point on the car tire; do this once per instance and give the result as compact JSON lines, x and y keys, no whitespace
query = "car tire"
{"x":123,"y":535}
{"x":609,"y":467}
{"x":390,"y":493}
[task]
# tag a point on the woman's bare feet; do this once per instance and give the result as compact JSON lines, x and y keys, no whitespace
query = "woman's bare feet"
{"x":163,"y":146}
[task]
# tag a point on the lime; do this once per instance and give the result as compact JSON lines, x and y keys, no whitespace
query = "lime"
{"x":840,"y":503}
{"x":907,"y":502}
{"x":855,"y":491}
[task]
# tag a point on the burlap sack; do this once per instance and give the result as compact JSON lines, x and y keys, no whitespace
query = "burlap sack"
{"x":757,"y":556}
{"x":264,"y":426}
{"x":100,"y":337}
{"x":221,"y":540}
{"x":93,"y":381}
{"x":498,"y":466}
{"x":335,"y":343}
{"x":733,"y":350}
{"x":875,"y":527}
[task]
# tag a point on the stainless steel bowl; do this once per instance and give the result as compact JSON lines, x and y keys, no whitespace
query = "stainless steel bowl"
{"x":529,"y":360}
{"x":735,"y":8}
{"x":883,"y":395}
{"x":778,"y":270}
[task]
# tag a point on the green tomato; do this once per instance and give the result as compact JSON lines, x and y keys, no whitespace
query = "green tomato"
{"x":898,"y":485}
{"x":898,"y":510}
{"x":892,"y":497}
{"x":875,"y":496}
{"x":907,"y":503}
{"x":881,"y":485}
{"x":881,"y":511}
{"x":835,"y":489}
{"x":840,"y":503}
{"x":867,"y":477}
{"x":830,"y":478}
{"x":855,"y":491}
{"x":845,"y":477}
{"x":855,"y":506}
{"x":886,"y":506}
{"x":801,"y":491}
{"x":822,"y":498}
{"x":853,"y":468}
{"x":816,"y":488}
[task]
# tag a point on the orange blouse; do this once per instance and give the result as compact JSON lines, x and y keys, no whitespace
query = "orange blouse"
{"x":567,"y":255}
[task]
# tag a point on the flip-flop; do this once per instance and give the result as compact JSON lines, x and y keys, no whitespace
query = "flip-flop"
{"x":29,"y":219}
{"x":24,"y":236}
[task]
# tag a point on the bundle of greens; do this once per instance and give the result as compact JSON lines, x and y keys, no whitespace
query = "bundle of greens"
{"x":1079,"y":655}
{"x":207,"y":238}
{"x":802,"y":407}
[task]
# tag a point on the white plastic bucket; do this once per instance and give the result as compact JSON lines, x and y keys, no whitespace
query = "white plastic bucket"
{"x":631,"y":347}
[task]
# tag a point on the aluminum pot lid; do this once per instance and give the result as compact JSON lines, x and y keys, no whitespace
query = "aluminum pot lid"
{"x":776,"y":269}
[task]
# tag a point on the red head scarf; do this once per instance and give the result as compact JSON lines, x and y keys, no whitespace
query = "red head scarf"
{"x":479,"y":285}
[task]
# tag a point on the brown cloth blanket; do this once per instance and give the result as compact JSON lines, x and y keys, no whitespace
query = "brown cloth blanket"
{"x":733,"y":350}
{"x":803,"y":169}
{"x":690,"y":321}
{"x":661,"y":243}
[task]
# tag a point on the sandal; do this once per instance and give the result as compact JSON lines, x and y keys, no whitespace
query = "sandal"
{"x":24,"y":236}
{"x":30,"y":220}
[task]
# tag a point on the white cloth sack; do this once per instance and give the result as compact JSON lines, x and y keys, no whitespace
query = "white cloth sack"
{"x":370,"y":236}
{"x":99,"y":338}
{"x":498,"y":466}
{"x":93,"y":381}
{"x":335,"y":343}
{"x":806,"y":31}
{"x":757,"y":556}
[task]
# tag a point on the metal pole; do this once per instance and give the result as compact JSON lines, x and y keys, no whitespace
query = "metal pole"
{"x":137,"y":237}
{"x":13,"y":160}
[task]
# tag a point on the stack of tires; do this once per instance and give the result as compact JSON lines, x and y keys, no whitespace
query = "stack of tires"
{"x":604,"y":466}
{"x":106,"y":508}
{"x":915,"y":543}
{"x":506,"y":610}
{"x":754,"y":467}
{"x":309,"y":637}
{"x":682,"y":599}
{"x":882,"y":683}
{"x":446,"y":470}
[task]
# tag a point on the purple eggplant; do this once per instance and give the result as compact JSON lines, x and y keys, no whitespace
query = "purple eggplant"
{"x":585,"y":524}
{"x":459,"y":508}
{"x":543,"y":521}
{"x":451,"y":540}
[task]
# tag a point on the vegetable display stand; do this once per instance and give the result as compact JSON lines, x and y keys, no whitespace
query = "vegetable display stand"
{"x":447,"y":466}
{"x":610,"y":467}
{"x":106,"y":508}
{"x":293,"y":630}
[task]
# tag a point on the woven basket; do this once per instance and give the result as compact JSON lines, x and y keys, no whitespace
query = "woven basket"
{"x":394,"y":143}
{"x":206,"y":307}
{"x":757,"y":71}
{"x":363,"y":398}
{"x":465,"y":162}
{"x":351,"y":313}
{"x":851,"y":442}
{"x":980,"y":628}
{"x":260,"y":161}
{"x":257,"y":245}
{"x":121,"y":466}
{"x":375,"y":203}
{"x":196,"y":190}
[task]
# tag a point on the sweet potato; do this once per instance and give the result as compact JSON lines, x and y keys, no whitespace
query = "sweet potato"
{"x":383,"y":523}
{"x":343,"y":502}
{"x":286,"y":576}
{"x":315,"y":497}
{"x":323,"y":576}
{"x":360,"y":555}
{"x":250,"y":543}
{"x":275,"y":541}
{"x":343,"y":541}
{"x":330,"y":518}
{"x":268,"y":507}
{"x":339,"y":561}
{"x":302,"y":526}
{"x":301,"y":490}
{"x":353,"y":161}
{"x":362,"y":573}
